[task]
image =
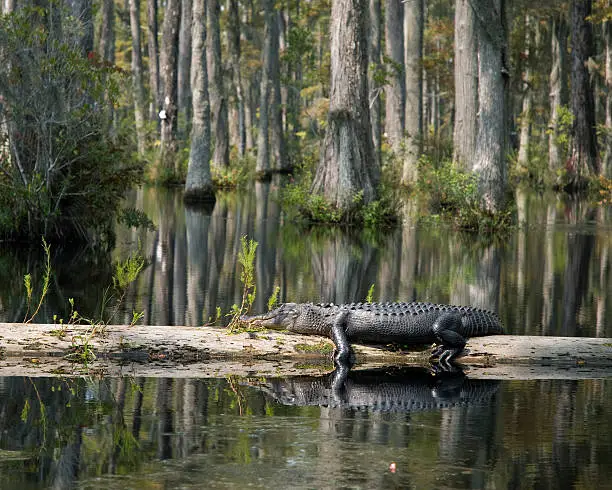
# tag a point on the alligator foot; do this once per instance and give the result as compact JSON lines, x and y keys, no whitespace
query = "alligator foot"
{"x":445,"y":356}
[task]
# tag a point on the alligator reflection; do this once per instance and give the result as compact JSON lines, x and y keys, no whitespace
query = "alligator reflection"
{"x":397,"y":390}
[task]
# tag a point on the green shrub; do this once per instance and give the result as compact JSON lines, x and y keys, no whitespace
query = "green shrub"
{"x":61,"y":177}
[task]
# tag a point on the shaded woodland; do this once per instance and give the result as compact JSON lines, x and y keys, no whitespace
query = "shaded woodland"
{"x":350,"y":91}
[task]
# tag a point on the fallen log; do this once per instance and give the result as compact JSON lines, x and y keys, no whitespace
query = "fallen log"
{"x":144,"y":350}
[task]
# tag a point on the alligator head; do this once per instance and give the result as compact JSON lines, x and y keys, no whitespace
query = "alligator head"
{"x":279,"y":318}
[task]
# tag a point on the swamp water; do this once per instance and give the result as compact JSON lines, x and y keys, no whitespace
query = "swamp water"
{"x":389,"y":429}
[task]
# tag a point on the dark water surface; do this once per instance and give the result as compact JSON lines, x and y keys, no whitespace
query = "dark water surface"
{"x":238,"y":433}
{"x":552,"y":276}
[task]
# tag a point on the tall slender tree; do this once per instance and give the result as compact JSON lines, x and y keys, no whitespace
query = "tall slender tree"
{"x":169,"y":74}
{"x":218,"y":99}
{"x":153,"y":52}
{"x":198,"y":186}
{"x":413,"y":30}
{"x":557,"y":86}
{"x":184,"y":62}
{"x":583,"y":162}
{"x":234,"y":61}
{"x":347,"y":165}
{"x":395,"y":89}
{"x":374,"y":64}
{"x":137,"y":82}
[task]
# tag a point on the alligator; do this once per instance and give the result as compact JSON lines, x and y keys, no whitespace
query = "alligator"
{"x":402,"y":390}
{"x":384,"y":323}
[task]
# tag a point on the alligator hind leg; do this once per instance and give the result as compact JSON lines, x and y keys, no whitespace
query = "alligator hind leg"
{"x":445,"y":329}
{"x":338,"y":336}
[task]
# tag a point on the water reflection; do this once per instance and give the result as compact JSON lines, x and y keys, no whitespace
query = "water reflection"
{"x":185,"y":433}
{"x":550,"y":277}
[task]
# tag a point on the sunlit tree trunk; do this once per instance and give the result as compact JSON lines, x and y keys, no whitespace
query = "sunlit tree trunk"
{"x":184,"y":63}
{"x":218,"y":100}
{"x":582,"y":163}
{"x":263,"y":137}
{"x":198,"y":185}
{"x":137,"y":83}
{"x":234,"y":55}
{"x":527,"y":88}
{"x":8,"y":6}
{"x":153,"y":52}
{"x":82,"y":10}
{"x":395,"y":88}
{"x":413,"y":31}
{"x":374,"y":65}
{"x":347,"y":165}
{"x":558,"y":87}
{"x":169,"y":73}
{"x":466,"y":84}
{"x":490,"y":150}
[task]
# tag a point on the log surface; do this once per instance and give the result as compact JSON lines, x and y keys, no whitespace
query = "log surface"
{"x":144,"y":350}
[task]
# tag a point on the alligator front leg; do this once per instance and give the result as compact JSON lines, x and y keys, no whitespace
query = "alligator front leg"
{"x":338,"y":336}
{"x":445,"y":329}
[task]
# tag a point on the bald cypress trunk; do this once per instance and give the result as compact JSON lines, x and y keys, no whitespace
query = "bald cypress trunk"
{"x":184,"y":63}
{"x":198,"y":185}
{"x":395,"y":88}
{"x":347,"y":165}
{"x":169,"y":73}
{"x":558,"y":87}
{"x":218,"y":99}
{"x":153,"y":52}
{"x":413,"y":50}
{"x":582,"y":163}
{"x":234,"y":53}
{"x":466,"y":83}
{"x":374,"y":64}
{"x":137,"y":83}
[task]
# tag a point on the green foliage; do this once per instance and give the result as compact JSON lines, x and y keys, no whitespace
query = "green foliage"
{"x":61,"y":177}
{"x":273,"y":300}
{"x":127,"y":271}
{"x":452,"y":193}
{"x":27,"y":280}
{"x":246,"y":258}
{"x":135,"y":218}
{"x":370,"y":295}
{"x":237,"y":174}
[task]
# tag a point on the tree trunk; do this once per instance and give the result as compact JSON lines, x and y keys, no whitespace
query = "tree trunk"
{"x":281,"y":162}
{"x":8,"y":6}
{"x":347,"y":164}
{"x":218,"y":100}
{"x":153,"y":51}
{"x":527,"y":89}
{"x":137,"y":83}
{"x":466,"y":84}
{"x":169,"y":69}
{"x":395,"y":89}
{"x":184,"y":63}
{"x":263,"y":137}
{"x":82,"y":10}
{"x":606,"y":169}
{"x":198,"y":185}
{"x":234,"y":54}
{"x":106,"y":45}
{"x":374,"y":65}
{"x":413,"y":31}
{"x":490,"y":151}
{"x":558,"y":87}
{"x":582,"y":163}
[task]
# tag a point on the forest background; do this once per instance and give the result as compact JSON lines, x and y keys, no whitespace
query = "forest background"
{"x":459,"y":99}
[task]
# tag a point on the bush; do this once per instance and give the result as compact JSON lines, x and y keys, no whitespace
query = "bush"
{"x":60,"y":176}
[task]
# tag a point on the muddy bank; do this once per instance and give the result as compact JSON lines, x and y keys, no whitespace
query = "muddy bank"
{"x":116,"y":350}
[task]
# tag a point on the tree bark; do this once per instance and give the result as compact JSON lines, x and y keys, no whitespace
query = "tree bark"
{"x":347,"y":165}
{"x":558,"y":87}
{"x":106,"y":45}
{"x":490,"y":150}
{"x":413,"y":31}
{"x":527,"y":89}
{"x":281,"y":162}
{"x":198,"y":185}
{"x":466,"y":84}
{"x":263,"y":137}
{"x":606,"y":169}
{"x":582,"y":163}
{"x":169,"y":73}
{"x":137,"y":83}
{"x":374,"y":65}
{"x":395,"y":88}
{"x":184,"y":63}
{"x":218,"y":100}
{"x":82,"y":10}
{"x":234,"y":55}
{"x":153,"y":51}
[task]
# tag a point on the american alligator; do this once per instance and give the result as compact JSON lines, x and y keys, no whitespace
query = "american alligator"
{"x":384,"y":323}
{"x":402,"y":390}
